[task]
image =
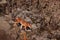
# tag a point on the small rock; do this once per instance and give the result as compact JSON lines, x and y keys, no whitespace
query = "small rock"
{"x":34,"y":26}
{"x":28,"y":19}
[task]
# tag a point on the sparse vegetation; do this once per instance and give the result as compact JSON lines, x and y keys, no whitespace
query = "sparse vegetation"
{"x":44,"y":15}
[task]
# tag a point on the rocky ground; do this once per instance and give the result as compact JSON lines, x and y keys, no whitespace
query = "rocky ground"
{"x":44,"y":15}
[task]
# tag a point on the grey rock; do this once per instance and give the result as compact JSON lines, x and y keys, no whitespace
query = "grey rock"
{"x":3,"y":24}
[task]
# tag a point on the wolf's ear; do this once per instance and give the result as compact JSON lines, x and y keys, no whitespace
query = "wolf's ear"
{"x":18,"y":24}
{"x":28,"y":28}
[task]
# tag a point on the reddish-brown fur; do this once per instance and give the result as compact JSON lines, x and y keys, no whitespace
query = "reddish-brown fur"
{"x":23,"y":22}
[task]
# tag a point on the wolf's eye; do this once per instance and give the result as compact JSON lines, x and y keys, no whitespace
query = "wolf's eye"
{"x":28,"y":28}
{"x":19,"y":24}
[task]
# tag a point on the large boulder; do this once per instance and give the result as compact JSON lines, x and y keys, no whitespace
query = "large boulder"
{"x":4,"y":25}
